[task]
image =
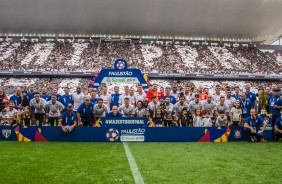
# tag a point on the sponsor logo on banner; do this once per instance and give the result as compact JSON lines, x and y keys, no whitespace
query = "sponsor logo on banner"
{"x":237,"y":134}
{"x":112,"y":135}
{"x":132,"y":135}
{"x":125,"y":122}
{"x":6,"y":133}
{"x":120,"y":80}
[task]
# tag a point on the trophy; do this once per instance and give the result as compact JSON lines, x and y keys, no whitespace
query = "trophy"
{"x":263,"y":97}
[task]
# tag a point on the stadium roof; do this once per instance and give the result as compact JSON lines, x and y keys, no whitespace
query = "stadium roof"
{"x":253,"y":19}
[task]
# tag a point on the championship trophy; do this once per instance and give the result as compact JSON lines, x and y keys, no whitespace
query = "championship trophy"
{"x":263,"y":97}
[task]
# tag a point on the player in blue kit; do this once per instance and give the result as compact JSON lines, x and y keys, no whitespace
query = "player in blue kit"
{"x":68,"y":119}
{"x":253,"y":126}
{"x":84,"y":113}
{"x":115,"y":96}
{"x":278,"y":128}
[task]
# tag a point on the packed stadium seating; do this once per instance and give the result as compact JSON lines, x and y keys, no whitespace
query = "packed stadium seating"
{"x":161,"y":58}
{"x":10,"y":84}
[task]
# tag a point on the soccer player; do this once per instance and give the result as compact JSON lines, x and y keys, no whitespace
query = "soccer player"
{"x":236,"y":93}
{"x":53,"y":109}
{"x":100,"y":109}
{"x":154,"y":105}
{"x":31,"y":92}
{"x":246,"y":106}
{"x":114,"y":112}
{"x":217,"y":95}
{"x":209,"y":106}
{"x":93,"y":98}
{"x":253,"y":125}
{"x":168,"y":110}
{"x":221,"y":119}
{"x":251,"y":96}
{"x":17,"y":98}
{"x":77,"y":98}
{"x":179,"y":106}
{"x":127,"y":110}
{"x":107,"y":99}
{"x":140,"y":94}
{"x":115,"y":96}
{"x":167,"y":94}
{"x":85,"y":114}
{"x":195,"y":104}
{"x":37,"y":105}
{"x":44,"y":95}
{"x":68,"y":119}
{"x":125,"y":95}
{"x":66,"y":98}
{"x":175,"y":93}
{"x":222,"y":106}
{"x":12,"y":114}
{"x":55,"y":92}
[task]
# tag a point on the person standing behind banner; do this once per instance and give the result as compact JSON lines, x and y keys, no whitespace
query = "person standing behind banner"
{"x":37,"y":105}
{"x":85,"y":114}
{"x":115,"y":96}
{"x":93,"y":98}
{"x":168,"y":109}
{"x":221,"y":119}
{"x":140,"y":94}
{"x":115,"y":113}
{"x":68,"y":119}
{"x":77,"y":98}
{"x":44,"y":95}
{"x":107,"y":99}
{"x":53,"y":109}
{"x":17,"y":98}
{"x":251,"y":96}
{"x":66,"y":98}
{"x":246,"y":106}
{"x":252,"y":127}
{"x":100,"y":109}
{"x":153,"y":106}
{"x":167,"y":94}
{"x":125,"y":95}
{"x":127,"y":110}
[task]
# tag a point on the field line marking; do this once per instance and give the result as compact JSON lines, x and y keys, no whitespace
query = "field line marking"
{"x":133,"y":166}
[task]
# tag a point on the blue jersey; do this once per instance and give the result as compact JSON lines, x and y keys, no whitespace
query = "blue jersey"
{"x":256,"y":123}
{"x":115,"y":99}
{"x":246,"y":108}
{"x":46,"y":97}
{"x":30,"y":96}
{"x":172,"y":99}
{"x":111,"y":114}
{"x":278,"y":123}
{"x":94,"y":101}
{"x":66,"y":99}
{"x":274,"y":101}
{"x":58,"y":97}
{"x":251,"y":96}
{"x":16,"y":99}
{"x":68,"y":119}
{"x":86,"y":112}
{"x":237,"y":97}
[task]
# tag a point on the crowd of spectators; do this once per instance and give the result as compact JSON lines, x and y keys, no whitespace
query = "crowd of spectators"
{"x":160,"y":58}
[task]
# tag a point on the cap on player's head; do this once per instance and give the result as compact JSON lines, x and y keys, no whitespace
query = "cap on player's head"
{"x":70,"y":105}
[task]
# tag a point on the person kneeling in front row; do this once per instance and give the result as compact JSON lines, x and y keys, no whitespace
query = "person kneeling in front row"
{"x":252,"y":127}
{"x":68,"y":120}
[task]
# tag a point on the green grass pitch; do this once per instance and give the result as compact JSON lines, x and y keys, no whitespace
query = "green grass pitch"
{"x":171,"y":163}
